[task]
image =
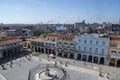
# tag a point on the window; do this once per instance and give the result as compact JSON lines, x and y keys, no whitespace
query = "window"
{"x":46,"y":44}
{"x":85,"y":41}
{"x":90,"y":41}
{"x":79,"y":40}
{"x":97,"y":42}
{"x":79,"y":48}
{"x":84,"y":49}
{"x":90,"y":50}
{"x":103,"y":51}
{"x":49,"y":44}
{"x":53,"y":45}
{"x":96,"y":50}
{"x":103,"y":42}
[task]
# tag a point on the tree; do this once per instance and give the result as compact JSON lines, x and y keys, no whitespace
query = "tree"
{"x":38,"y":32}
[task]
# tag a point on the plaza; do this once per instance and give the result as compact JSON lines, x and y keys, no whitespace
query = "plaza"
{"x":77,"y":70}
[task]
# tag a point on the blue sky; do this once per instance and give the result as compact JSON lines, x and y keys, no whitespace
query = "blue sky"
{"x":59,"y":11}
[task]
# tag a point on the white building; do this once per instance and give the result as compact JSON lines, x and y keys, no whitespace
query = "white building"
{"x":92,"y":48}
{"x":81,"y":26}
{"x":61,"y":28}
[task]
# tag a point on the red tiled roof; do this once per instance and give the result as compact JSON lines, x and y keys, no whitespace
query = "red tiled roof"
{"x":9,"y":40}
{"x":53,"y":35}
{"x":115,"y":38}
{"x":41,"y":39}
{"x":67,"y":36}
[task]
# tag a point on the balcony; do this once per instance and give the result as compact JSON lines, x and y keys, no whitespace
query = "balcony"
{"x":113,"y":45}
{"x":71,"y":46}
{"x":66,"y":50}
{"x":60,"y":50}
{"x":65,"y":45}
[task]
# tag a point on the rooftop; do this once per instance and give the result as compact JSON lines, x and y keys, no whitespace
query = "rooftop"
{"x":8,"y":40}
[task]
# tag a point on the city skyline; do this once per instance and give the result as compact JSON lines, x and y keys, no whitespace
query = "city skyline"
{"x":59,"y":11}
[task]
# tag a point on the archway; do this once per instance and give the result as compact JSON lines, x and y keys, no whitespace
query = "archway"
{"x":39,"y":49}
{"x":35,"y":49}
{"x":28,"y":45}
{"x":95,"y":59}
{"x":50,"y":51}
{"x":4,"y":53}
{"x":42,"y":50}
{"x":79,"y":57}
{"x":46,"y":51}
{"x":60,"y":54}
{"x":65,"y":55}
{"x":102,"y":60}
{"x":84,"y":58}
{"x":71,"y":56}
{"x":112,"y":62}
{"x":118,"y":63}
{"x":53,"y":51}
{"x":90,"y":58}
{"x":9,"y":52}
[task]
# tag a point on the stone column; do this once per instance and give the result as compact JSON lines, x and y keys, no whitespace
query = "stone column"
{"x":62,"y":54}
{"x":75,"y":55}
{"x":87,"y":58}
{"x":56,"y":52}
{"x":116,"y":63}
{"x":44,"y":51}
{"x":34,"y":48}
{"x":92,"y":59}
{"x":81,"y":56}
{"x":68,"y":55}
{"x":98,"y":60}
{"x":105,"y":60}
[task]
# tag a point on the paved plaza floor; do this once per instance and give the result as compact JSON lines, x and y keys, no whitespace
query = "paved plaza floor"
{"x":20,"y":69}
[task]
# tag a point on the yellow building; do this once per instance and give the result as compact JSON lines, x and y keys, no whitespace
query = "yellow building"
{"x":50,"y":43}
{"x":27,"y":43}
{"x":66,"y":46}
{"x":114,"y":51}
{"x":10,"y":46}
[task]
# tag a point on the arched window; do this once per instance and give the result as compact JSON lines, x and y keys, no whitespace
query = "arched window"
{"x":91,"y":42}
{"x":84,"y":49}
{"x":79,"y":48}
{"x":90,"y":50}
{"x":103,"y":42}
{"x":79,"y":40}
{"x":103,"y":51}
{"x":97,"y":42}
{"x":85,"y":41}
{"x":96,"y":50}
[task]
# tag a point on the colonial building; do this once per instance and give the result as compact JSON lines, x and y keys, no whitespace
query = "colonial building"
{"x":9,"y":46}
{"x":66,"y":46}
{"x":27,"y":44}
{"x":80,"y":26}
{"x":114,"y":51}
{"x":92,"y":48}
{"x":50,"y":43}
{"x":37,"y":45}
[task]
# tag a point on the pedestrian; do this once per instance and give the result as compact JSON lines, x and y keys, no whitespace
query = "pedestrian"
{"x":56,"y":64}
{"x":60,"y":62}
{"x":66,"y":64}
